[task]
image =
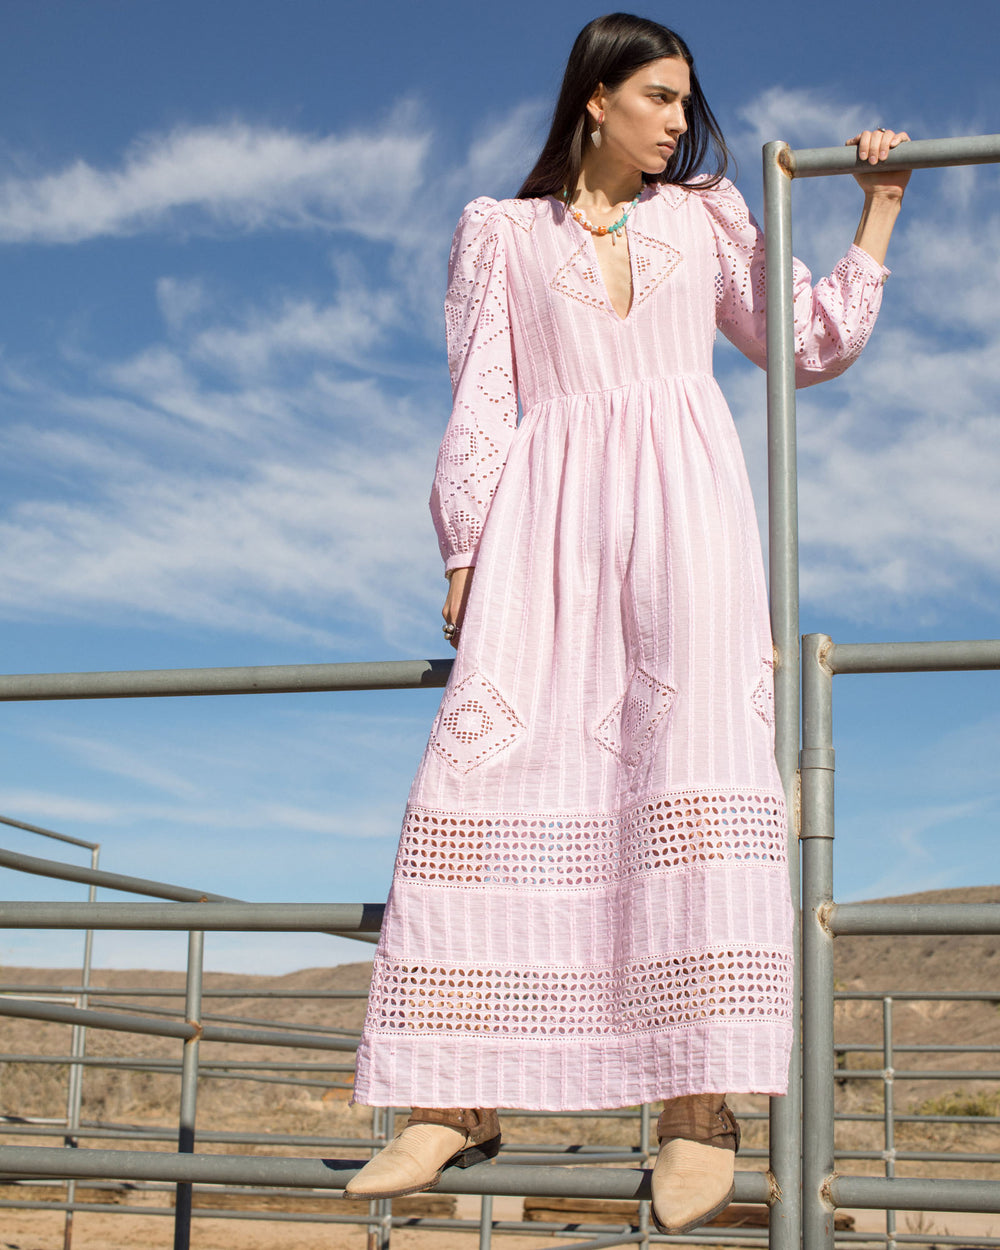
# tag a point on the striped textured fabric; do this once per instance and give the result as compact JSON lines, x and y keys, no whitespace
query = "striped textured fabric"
{"x":590,"y":906}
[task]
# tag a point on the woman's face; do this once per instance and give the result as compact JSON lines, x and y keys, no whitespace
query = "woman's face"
{"x":644,"y":117}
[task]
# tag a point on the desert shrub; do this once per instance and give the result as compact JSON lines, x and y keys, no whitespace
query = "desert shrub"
{"x":982,"y":1102}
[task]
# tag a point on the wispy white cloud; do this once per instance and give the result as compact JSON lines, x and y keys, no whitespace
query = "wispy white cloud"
{"x":34,"y":805}
{"x":370,"y":823}
{"x":802,"y":118}
{"x":111,"y":757}
{"x":224,"y":178}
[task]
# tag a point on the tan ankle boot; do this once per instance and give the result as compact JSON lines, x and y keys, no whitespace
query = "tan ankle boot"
{"x":693,"y":1176}
{"x":431,"y":1141}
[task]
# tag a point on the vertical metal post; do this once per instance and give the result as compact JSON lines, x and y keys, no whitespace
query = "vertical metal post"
{"x":78,"y":1049}
{"x":645,"y":1121}
{"x":485,"y":1222}
{"x":189,"y":1086}
{"x":817,"y":943}
{"x":783,"y":543}
{"x":380,"y":1234}
{"x":889,"y":1111}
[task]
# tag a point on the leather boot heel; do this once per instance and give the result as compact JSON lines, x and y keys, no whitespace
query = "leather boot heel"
{"x":433,"y":1139}
{"x":477,"y":1154}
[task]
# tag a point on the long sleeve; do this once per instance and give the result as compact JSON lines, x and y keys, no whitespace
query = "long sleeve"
{"x":833,"y":319}
{"x":484,"y":386}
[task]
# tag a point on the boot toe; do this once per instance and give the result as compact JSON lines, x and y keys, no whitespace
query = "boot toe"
{"x":692,"y":1182}
{"x":412,"y":1161}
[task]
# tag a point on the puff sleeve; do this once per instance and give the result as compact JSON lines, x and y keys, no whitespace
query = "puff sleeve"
{"x":484,"y":384}
{"x":833,"y":319}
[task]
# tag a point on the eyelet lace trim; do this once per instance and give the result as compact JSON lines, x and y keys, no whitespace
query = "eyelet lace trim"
{"x":572,"y":851}
{"x":735,"y":982}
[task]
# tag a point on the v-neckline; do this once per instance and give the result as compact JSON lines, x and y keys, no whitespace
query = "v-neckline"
{"x":609,"y":302}
{"x":589,"y":243}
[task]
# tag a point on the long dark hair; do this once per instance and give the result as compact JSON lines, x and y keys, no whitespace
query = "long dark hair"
{"x":608,"y":50}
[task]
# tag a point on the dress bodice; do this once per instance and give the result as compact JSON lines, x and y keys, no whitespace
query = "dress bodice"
{"x":529,"y":321}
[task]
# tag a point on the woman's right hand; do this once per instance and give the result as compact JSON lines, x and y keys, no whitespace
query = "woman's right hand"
{"x":459,"y":585}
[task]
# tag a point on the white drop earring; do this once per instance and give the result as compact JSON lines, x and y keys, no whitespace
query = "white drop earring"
{"x":595,"y":135}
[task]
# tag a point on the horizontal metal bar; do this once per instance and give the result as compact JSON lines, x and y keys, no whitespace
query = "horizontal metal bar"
{"x":215,"y":917}
{"x":918,"y":918}
{"x":132,"y":885}
{"x":607,"y":1241}
{"x":49,"y":833}
{"x":219,"y":1017}
{"x":58,"y":1013}
{"x":209,"y":1074}
{"x":925,"y":1193}
{"x":913,"y":657}
{"x":925,"y":1156}
{"x":966,"y":1242}
{"x":928,"y":1048}
{"x":524,"y":1227}
{"x":917,"y":154}
{"x":171,"y":1067}
{"x":60,"y":871}
{"x":135,"y":1132}
{"x":201,"y":1213}
{"x":905,"y":1074}
{"x":263,"y":679}
{"x":967,"y":1121}
{"x":519,"y":1154}
{"x":139,"y":991}
{"x":919,"y":996}
{"x":484,"y":1178}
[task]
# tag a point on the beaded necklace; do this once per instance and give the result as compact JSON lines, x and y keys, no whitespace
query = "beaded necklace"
{"x":613,"y":229}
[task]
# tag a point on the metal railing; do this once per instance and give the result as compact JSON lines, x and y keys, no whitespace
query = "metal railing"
{"x":229,"y":1175}
{"x":801,"y":1188}
{"x":823,"y":1188}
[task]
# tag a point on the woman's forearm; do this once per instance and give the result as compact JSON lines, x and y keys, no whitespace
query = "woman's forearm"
{"x":877,"y":220}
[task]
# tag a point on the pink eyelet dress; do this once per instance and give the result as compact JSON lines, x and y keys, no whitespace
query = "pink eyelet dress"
{"x":590,"y":904}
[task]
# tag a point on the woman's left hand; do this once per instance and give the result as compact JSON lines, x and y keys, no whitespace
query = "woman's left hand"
{"x":873,"y":147}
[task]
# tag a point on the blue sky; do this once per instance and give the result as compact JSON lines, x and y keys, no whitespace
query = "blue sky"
{"x":223,"y":234}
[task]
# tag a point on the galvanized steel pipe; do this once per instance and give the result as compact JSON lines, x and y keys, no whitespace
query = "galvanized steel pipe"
{"x":926,"y":1193}
{"x":484,"y":1178}
{"x":916,"y":918}
{"x":214,"y":917}
{"x":917,"y":154}
{"x":783,"y":544}
{"x":263,"y":679}
{"x":913,"y":657}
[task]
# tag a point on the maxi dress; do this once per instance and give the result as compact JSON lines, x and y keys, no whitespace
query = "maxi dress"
{"x":590,"y":905}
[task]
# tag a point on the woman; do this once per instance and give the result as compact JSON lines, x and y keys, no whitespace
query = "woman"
{"x":590,"y":904}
